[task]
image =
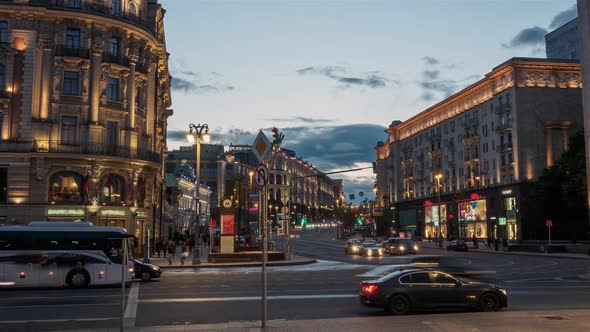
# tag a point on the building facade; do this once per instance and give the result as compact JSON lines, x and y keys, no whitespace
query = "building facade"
{"x":461,"y":168}
{"x":564,"y":42}
{"x":84,"y":100}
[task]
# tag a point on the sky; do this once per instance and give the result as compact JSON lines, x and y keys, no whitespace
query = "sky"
{"x":333,"y":74}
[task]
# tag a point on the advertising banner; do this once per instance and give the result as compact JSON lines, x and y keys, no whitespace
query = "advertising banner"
{"x":473,"y":210}
{"x":227,"y":224}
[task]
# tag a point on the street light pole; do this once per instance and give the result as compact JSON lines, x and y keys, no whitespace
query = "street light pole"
{"x":201,"y":132}
{"x":440,"y":240}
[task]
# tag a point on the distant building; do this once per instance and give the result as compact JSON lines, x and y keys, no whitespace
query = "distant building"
{"x":564,"y":42}
{"x":462,"y":167}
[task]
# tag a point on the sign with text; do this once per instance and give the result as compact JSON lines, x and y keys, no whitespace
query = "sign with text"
{"x":227,"y":224}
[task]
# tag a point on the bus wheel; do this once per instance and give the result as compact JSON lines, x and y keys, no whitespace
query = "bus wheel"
{"x":78,"y":279}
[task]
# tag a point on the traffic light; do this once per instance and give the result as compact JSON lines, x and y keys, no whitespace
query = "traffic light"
{"x":359,"y":221}
{"x":277,"y":135}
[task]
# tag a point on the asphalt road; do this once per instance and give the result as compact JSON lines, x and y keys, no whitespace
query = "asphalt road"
{"x":323,"y":290}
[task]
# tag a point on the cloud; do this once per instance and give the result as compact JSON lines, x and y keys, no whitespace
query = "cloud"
{"x":528,"y":37}
{"x":432,"y":88}
{"x":372,"y":79}
{"x":193,"y":82}
{"x":430,"y":60}
{"x":180,"y":84}
{"x":563,"y":17}
{"x":302,"y":119}
{"x":431,"y":74}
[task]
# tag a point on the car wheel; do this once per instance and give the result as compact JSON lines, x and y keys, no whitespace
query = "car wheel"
{"x":78,"y":279}
{"x":398,"y":305}
{"x":146,"y":276}
{"x":489,"y":302}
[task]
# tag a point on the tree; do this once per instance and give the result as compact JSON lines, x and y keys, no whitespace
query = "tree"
{"x":560,"y":195}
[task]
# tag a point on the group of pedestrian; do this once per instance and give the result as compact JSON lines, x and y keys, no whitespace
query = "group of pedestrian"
{"x":498,"y":244}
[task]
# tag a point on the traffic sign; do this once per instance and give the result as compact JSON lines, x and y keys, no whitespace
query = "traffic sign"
{"x":226,"y":203}
{"x":261,"y":146}
{"x":549,"y":223}
{"x":261,"y":177}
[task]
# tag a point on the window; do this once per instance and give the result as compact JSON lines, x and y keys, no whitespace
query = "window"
{"x":3,"y":185}
{"x":73,"y":38}
{"x":420,"y":278}
{"x":132,"y":9}
{"x":69,"y":125}
{"x":66,"y":187}
{"x":113,"y":89}
{"x":407,"y":279}
{"x":441,"y":278}
{"x":112,"y":189}
{"x":2,"y":78}
{"x":71,"y":83}
{"x":114,"y":46}
{"x":73,"y":3}
{"x":116,"y":7}
{"x":3,"y":32}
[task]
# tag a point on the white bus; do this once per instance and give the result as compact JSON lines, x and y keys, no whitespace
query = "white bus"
{"x":74,"y":254}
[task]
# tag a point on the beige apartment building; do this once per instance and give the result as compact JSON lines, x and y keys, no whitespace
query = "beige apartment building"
{"x":462,"y":167}
{"x":84,"y":97}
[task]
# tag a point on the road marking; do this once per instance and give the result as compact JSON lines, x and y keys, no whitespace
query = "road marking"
{"x":58,"y":320}
{"x":55,"y":297}
{"x":131,"y":310}
{"x":61,"y":305}
{"x":249,"y":298}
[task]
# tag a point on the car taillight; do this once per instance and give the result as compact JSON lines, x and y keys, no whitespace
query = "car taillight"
{"x":370,"y":289}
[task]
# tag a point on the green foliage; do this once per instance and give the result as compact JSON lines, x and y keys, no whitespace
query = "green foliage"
{"x":560,"y":194}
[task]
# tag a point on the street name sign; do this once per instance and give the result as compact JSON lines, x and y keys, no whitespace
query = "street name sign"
{"x":261,"y":146}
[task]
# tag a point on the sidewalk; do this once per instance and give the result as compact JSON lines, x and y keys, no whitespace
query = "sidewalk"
{"x":484,"y":249}
{"x":537,"y":320}
{"x":162,"y":261}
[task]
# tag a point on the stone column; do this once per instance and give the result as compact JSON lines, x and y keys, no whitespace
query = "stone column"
{"x":46,"y":46}
{"x":95,"y":86}
{"x":548,"y":146}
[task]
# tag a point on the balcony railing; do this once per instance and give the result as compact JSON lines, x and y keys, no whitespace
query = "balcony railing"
{"x":71,"y":99}
{"x":78,"y":52}
{"x":95,"y":8}
{"x":504,"y":147}
{"x":504,"y":126}
{"x":114,"y":58}
{"x":503,"y":106}
{"x":140,"y":111}
{"x":87,"y":148}
{"x":115,"y":104}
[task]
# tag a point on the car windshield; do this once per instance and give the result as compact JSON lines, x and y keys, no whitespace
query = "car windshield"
{"x":369,"y":245}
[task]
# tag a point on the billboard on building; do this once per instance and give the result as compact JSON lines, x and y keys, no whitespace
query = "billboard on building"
{"x":473,"y":210}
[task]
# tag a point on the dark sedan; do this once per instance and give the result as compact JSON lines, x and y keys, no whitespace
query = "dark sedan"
{"x":457,"y":245}
{"x":401,"y":246}
{"x":371,"y":249}
{"x":403,"y":291}
{"x":145,"y":271}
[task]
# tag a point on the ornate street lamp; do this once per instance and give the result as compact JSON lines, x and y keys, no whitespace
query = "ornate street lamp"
{"x":196,"y":134}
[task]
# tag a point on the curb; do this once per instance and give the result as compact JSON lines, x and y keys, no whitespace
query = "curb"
{"x":518,"y":253}
{"x":228,"y":265}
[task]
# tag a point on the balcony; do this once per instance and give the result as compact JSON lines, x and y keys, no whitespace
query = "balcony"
{"x":114,"y":58}
{"x":504,"y":126}
{"x":470,"y":122}
{"x":99,"y":149}
{"x":95,"y":8}
{"x":71,"y":99}
{"x":75,"y":52}
{"x":503,"y":148}
{"x":140,"y":111}
{"x":503,"y":106}
{"x":115,"y":104}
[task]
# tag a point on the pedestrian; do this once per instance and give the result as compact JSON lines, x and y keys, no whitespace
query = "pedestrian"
{"x":170,"y":251}
{"x":191,"y":243}
{"x":475,"y":245}
{"x":504,"y":244}
{"x":489,"y":242}
{"x":429,"y":238}
{"x":183,"y":252}
{"x":496,"y":243}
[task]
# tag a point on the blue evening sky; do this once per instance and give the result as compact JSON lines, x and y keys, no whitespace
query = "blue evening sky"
{"x":334,"y":74}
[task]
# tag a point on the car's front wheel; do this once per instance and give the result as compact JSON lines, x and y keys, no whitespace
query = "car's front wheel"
{"x":398,"y":305}
{"x":489,"y":302}
{"x":146,"y":276}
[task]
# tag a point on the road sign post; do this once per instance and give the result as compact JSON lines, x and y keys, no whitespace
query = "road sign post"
{"x":549,"y":224}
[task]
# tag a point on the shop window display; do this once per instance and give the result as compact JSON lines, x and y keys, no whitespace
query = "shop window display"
{"x":66,"y":187}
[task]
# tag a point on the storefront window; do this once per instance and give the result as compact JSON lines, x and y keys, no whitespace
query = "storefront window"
{"x":66,"y":187}
{"x":112,"y":189}
{"x":473,"y":218}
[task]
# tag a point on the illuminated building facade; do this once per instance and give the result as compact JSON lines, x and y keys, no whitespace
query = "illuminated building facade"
{"x":461,"y":167}
{"x":84,"y":97}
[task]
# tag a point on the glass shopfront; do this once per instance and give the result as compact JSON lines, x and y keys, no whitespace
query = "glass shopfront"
{"x":435,"y":222}
{"x":472,"y":219}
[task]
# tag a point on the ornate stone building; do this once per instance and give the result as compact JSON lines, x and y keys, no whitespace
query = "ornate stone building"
{"x":461,"y":168}
{"x":84,"y":97}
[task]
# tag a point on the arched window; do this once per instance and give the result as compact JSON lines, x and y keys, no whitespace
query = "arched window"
{"x":132,"y":9}
{"x":112,"y":189}
{"x":66,"y":187}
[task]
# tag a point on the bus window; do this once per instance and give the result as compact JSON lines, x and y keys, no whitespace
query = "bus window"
{"x":114,"y":250}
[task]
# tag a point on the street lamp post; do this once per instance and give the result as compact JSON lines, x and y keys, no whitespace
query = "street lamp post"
{"x":201,"y":132}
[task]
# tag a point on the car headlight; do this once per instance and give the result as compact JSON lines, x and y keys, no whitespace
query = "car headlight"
{"x":415,"y":247}
{"x":155,"y":268}
{"x":402,"y":248}
{"x":380,"y":251}
{"x":503,"y":291}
